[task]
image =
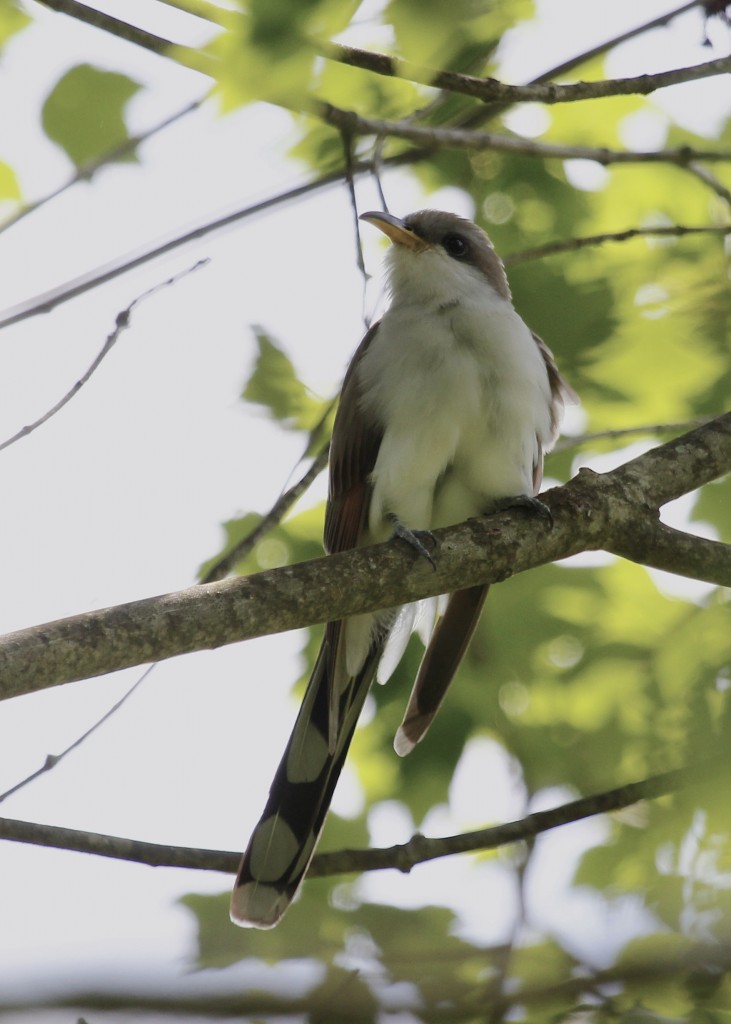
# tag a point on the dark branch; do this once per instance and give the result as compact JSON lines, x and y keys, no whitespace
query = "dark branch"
{"x":490,"y":90}
{"x":191,"y":58}
{"x":461,"y":138}
{"x":87,"y":171}
{"x":86,"y":282}
{"x":121,"y":323}
{"x":225,"y":564}
{"x":573,"y":244}
{"x":402,"y":857}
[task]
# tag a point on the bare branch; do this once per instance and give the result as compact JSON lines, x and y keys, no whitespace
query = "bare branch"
{"x":661,"y":547}
{"x":188,"y":56}
{"x":53,"y":760}
{"x":490,"y":90}
{"x":217,"y":571}
{"x":86,"y":282}
{"x":461,"y":138}
{"x":276,"y":513}
{"x":480,"y":115}
{"x":647,"y":428}
{"x":573,"y":244}
{"x":704,"y":175}
{"x":122,"y":322}
{"x":88,"y":170}
{"x":593,"y":511}
{"x":623,"y":37}
{"x":420,"y":849}
{"x":403,"y":857}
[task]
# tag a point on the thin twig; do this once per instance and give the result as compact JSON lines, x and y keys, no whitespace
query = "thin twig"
{"x":274,"y":516}
{"x":47,"y":301}
{"x":376,"y":170}
{"x":477,"y":117}
{"x":567,"y":443}
{"x":53,"y":760}
{"x":460,"y":138}
{"x":188,"y":56}
{"x":87,"y":170}
{"x":490,"y":90}
{"x":347,"y":141}
{"x":122,"y":322}
{"x":217,"y":571}
{"x":573,"y":244}
{"x":704,"y":175}
{"x":403,"y":857}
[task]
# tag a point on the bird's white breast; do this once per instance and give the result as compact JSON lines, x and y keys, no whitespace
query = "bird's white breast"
{"x":461,"y":391}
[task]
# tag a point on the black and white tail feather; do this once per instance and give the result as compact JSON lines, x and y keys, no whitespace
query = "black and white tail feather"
{"x":282,"y":845}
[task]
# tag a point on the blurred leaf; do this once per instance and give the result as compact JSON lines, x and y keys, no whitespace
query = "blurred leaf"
{"x":12,"y":19}
{"x":275,"y":385}
{"x":9,"y":186}
{"x":271,"y":47}
{"x":432,"y":33}
{"x":84,"y":113}
{"x":541,"y":965}
{"x":298,"y":539}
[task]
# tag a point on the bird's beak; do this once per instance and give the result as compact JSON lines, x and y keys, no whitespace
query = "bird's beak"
{"x":395,"y":229}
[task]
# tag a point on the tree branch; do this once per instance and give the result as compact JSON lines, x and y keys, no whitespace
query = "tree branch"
{"x":47,"y":301}
{"x":574,"y":244}
{"x":461,"y":138}
{"x":578,"y":440}
{"x":87,"y":171}
{"x":592,"y":512}
{"x":188,"y":56}
{"x":490,"y":90}
{"x":121,"y":323}
{"x":403,"y":857}
{"x":273,"y":517}
{"x":705,"y":176}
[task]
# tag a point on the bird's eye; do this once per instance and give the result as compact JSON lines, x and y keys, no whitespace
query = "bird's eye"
{"x":455,"y":246}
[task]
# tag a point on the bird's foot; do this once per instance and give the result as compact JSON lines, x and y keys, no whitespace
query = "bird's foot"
{"x":415,"y":539}
{"x":533,"y":505}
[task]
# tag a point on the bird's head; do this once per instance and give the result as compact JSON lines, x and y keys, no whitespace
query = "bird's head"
{"x":438,"y":257}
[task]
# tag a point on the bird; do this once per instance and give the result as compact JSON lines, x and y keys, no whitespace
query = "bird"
{"x":445,"y":413}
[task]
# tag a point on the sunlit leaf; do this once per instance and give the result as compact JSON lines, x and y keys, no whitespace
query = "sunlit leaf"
{"x":9,"y":185}
{"x":12,"y":19}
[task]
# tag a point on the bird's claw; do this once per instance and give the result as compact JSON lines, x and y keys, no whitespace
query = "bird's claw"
{"x":415,"y":539}
{"x":528,"y":502}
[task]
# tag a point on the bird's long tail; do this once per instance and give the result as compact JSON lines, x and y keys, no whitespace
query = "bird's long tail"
{"x":283,"y":842}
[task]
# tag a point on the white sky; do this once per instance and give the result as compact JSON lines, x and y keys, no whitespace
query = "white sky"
{"x":122,"y":494}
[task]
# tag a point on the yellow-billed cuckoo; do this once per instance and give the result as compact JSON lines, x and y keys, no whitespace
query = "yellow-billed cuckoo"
{"x":446,"y":410}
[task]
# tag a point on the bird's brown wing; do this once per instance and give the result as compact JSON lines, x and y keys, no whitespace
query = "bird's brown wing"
{"x":561,"y":393}
{"x":353,"y":451}
{"x":282,"y":844}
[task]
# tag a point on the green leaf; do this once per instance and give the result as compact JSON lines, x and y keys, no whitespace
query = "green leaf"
{"x":9,"y":186}
{"x":298,"y":539}
{"x":275,"y":385}
{"x":432,"y":33}
{"x":84,"y":113}
{"x":270,"y":50}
